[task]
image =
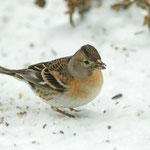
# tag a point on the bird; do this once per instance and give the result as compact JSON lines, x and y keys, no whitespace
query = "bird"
{"x":66,"y":82}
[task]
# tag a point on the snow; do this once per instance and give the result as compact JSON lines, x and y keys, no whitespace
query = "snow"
{"x":29,"y":34}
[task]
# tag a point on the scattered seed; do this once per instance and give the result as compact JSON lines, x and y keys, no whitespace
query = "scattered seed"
{"x":107,"y":141}
{"x":139,"y":32}
{"x":44,"y":126}
{"x":117,"y":96}
{"x":31,"y":45}
{"x":7,"y":124}
{"x":74,"y":134}
{"x":124,"y":49}
{"x":34,"y":142}
{"x":125,"y":107}
{"x":54,"y":52}
{"x":117,"y":103}
{"x":1,"y":120}
{"x":18,"y":107}
{"x":104,"y":111}
{"x":109,"y":127}
{"x":116,"y":48}
{"x":62,"y":132}
{"x":20,"y":95}
{"x":54,"y":132}
{"x":27,"y":107}
{"x":20,"y":114}
{"x":140,"y":113}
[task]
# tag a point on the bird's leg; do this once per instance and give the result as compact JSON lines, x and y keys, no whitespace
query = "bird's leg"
{"x":62,"y":112}
{"x":72,"y":109}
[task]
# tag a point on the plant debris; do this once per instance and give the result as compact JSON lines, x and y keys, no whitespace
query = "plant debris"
{"x":144,"y":4}
{"x":82,"y":6}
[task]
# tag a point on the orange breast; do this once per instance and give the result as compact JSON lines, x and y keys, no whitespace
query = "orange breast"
{"x":83,"y":87}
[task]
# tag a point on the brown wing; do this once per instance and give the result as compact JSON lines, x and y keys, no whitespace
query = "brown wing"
{"x":53,"y":74}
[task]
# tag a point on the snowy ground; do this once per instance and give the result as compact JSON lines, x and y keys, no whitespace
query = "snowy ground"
{"x":29,"y":35}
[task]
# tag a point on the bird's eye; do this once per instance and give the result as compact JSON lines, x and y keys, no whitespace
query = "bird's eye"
{"x":86,"y":62}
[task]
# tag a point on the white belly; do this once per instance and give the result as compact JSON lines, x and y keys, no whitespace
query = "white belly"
{"x":61,"y":101}
{"x":66,"y":100}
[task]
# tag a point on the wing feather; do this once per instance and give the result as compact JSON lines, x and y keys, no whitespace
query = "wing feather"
{"x":52,"y":81}
{"x":45,"y":76}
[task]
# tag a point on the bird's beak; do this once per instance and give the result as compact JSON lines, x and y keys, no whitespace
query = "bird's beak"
{"x":100,"y":64}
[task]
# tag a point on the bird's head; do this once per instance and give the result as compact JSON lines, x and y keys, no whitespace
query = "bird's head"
{"x":85,"y":61}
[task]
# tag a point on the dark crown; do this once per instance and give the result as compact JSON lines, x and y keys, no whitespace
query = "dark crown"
{"x":90,"y":52}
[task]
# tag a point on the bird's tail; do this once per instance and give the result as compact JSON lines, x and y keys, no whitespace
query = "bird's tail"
{"x":10,"y":72}
{"x":6,"y":71}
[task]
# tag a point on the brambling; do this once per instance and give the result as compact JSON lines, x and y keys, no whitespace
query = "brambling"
{"x":65,"y":82}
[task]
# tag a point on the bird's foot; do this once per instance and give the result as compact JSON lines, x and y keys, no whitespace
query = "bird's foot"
{"x":62,"y":112}
{"x":72,"y":109}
